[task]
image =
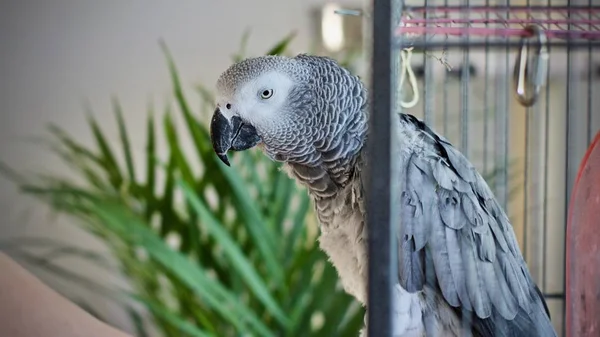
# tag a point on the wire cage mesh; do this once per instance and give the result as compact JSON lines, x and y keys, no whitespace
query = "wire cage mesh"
{"x":511,"y":84}
{"x":489,"y":24}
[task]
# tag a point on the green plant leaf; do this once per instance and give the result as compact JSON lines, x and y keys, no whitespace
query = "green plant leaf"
{"x":54,"y":251}
{"x":236,"y":257}
{"x":67,"y":275}
{"x":182,"y":165}
{"x":110,"y":163}
{"x":210,"y":291}
{"x":281,"y":201}
{"x":282,"y":46}
{"x":208,"y":99}
{"x":138,"y":322}
{"x":124,"y":140}
{"x":11,"y":174}
{"x":168,"y":216}
{"x":353,"y":323}
{"x":264,"y":239}
{"x":297,"y":228}
{"x":198,"y":134}
{"x":150,"y":166}
{"x":173,"y":319}
{"x":74,"y":148}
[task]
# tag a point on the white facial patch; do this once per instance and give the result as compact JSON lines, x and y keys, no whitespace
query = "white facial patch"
{"x":248,"y":104}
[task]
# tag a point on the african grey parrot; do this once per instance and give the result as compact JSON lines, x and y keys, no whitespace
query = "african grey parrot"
{"x":312,"y":114}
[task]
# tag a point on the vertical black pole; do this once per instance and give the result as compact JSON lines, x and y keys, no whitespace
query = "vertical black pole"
{"x":379,"y":174}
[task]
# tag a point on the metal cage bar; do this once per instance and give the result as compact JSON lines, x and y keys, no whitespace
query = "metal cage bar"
{"x":381,"y":275}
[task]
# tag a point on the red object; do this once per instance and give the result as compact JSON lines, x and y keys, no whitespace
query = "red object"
{"x":500,"y":21}
{"x":583,"y":249}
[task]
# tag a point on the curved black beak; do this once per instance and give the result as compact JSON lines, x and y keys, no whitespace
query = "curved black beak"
{"x":233,"y":135}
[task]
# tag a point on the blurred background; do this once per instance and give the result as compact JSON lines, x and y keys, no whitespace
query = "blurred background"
{"x":121,"y":206}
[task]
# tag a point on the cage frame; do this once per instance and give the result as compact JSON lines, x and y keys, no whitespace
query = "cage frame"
{"x":380,"y":213}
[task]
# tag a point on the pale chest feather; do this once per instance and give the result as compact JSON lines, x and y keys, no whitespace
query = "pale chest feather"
{"x":343,"y":237}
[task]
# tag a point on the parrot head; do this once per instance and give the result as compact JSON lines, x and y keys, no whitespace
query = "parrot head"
{"x":259,"y":101}
{"x":291,"y":107}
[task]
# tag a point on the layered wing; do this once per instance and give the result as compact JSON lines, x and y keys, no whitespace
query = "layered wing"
{"x":455,"y":237}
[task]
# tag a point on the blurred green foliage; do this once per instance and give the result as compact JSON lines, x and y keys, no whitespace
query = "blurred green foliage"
{"x":245,"y":260}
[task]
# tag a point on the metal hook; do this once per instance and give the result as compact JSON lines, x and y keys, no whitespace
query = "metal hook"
{"x":520,"y":78}
{"x":349,"y":12}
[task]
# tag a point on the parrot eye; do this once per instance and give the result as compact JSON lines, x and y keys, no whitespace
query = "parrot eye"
{"x":266,"y":94}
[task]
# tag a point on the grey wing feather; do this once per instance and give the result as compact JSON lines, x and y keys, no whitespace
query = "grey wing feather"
{"x":450,"y":217}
